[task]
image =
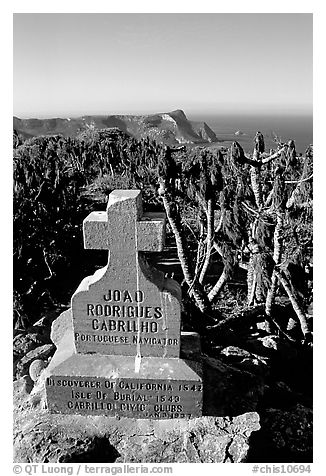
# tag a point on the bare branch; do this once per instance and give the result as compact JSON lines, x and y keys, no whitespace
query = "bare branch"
{"x":219,"y":226}
{"x":218,"y":248}
{"x":189,"y":227}
{"x":209,"y":239}
{"x":268,"y":200}
{"x":249,"y":209}
{"x":218,"y":286}
{"x":47,"y":265}
{"x":295,"y":304}
{"x":273,"y":156}
{"x":300,"y":181}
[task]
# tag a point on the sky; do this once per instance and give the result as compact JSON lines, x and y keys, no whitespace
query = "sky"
{"x":76,"y":64}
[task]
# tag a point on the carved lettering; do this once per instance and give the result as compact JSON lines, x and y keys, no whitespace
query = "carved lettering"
{"x":117,"y":295}
{"x":115,"y":311}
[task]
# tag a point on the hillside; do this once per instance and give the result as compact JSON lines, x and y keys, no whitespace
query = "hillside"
{"x":171,"y":128}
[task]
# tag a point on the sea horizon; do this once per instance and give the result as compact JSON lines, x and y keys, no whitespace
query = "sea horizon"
{"x":298,"y":127}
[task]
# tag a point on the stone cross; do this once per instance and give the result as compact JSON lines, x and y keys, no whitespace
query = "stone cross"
{"x":124,"y":229}
{"x":127,"y":307}
{"x":123,"y":356}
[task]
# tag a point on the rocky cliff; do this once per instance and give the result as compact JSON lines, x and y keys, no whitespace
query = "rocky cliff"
{"x":171,"y":128}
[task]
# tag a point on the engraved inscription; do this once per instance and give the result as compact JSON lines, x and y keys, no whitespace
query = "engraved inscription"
{"x":123,"y":317}
{"x":129,"y":307}
{"x":145,"y":399}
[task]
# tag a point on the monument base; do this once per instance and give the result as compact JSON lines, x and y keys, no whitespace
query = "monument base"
{"x":92,"y":384}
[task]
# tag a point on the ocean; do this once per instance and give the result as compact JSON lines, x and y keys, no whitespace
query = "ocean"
{"x":299,"y":128}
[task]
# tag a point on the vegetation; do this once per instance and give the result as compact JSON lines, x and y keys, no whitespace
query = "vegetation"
{"x":228,"y":212}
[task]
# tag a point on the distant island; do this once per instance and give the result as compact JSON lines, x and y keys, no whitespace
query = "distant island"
{"x":171,"y":128}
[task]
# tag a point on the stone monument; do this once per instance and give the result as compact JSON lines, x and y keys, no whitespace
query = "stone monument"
{"x":125,"y":354}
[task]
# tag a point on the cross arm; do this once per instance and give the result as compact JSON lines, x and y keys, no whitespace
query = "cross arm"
{"x":151,"y":232}
{"x":95,"y":231}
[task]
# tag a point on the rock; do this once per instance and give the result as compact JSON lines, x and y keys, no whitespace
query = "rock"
{"x":35,"y":335}
{"x":263,"y":326}
{"x":23,"y":345}
{"x":25,"y":342}
{"x":40,"y":437}
{"x":235,"y":353}
{"x":22,"y":389}
{"x":35,"y":369}
{"x":42,"y":352}
{"x":254,"y":365}
{"x":43,"y":326}
{"x":60,"y":326}
{"x":244,"y":360}
{"x":230,"y":397}
{"x":271,"y":342}
{"x":272,"y":346}
{"x":285,"y":436}
{"x":43,"y":322}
